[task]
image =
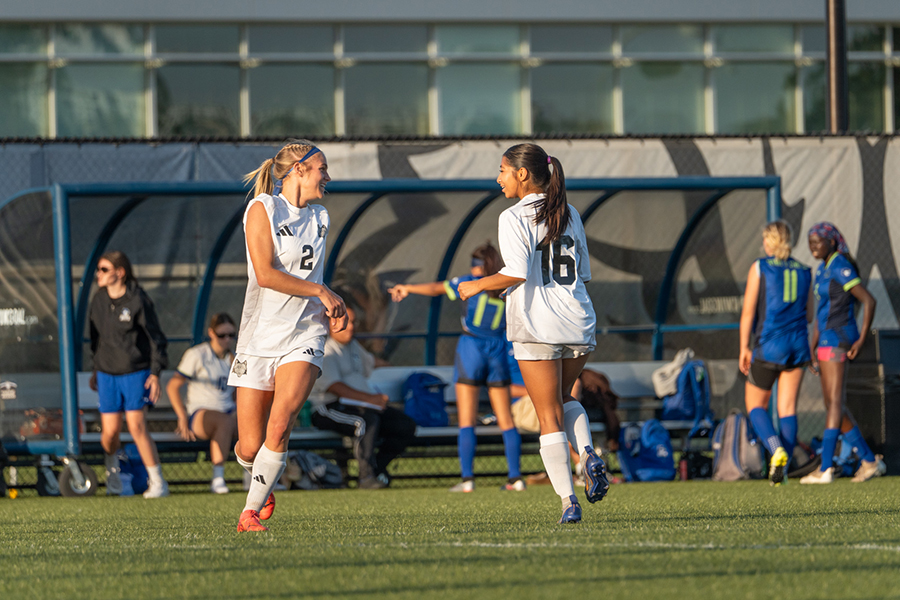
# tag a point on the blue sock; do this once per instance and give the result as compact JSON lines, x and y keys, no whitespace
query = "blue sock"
{"x":788,"y":426}
{"x":467,"y":452}
{"x":854,"y":437}
{"x":764,"y":430}
{"x":829,"y":441}
{"x":512,"y":445}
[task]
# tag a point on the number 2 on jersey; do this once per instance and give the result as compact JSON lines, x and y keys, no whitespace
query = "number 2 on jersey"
{"x":559,"y":260}
{"x":306,"y":261}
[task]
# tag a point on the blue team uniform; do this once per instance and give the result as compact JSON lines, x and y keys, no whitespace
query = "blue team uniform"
{"x":781,"y":328}
{"x":481,"y":351}
{"x":835,"y":305}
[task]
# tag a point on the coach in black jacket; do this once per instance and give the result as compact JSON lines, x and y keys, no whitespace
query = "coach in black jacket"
{"x":129,"y":351}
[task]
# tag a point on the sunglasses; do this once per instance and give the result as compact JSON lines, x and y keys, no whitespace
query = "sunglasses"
{"x":222,"y":336}
{"x":103,"y":269}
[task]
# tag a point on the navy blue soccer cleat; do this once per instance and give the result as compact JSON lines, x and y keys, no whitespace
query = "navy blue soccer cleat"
{"x":596,"y":485}
{"x":571,"y":513}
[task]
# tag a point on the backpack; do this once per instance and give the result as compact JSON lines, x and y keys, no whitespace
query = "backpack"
{"x":691,"y":401}
{"x":309,"y":471}
{"x":738,"y":455}
{"x":133,"y":472}
{"x":645,"y":453}
{"x":423,"y":400}
{"x":665,"y":378}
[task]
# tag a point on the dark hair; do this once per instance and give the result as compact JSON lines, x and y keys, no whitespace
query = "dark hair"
{"x":120,"y":261}
{"x":220,"y":318}
{"x":492,"y":262}
{"x":554,"y":209}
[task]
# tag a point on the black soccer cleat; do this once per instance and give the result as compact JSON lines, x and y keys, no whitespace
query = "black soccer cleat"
{"x":596,"y":485}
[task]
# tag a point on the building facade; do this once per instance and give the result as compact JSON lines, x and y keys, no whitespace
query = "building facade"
{"x":96,"y":68}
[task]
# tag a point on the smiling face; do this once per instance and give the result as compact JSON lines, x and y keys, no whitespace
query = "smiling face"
{"x":510,"y":179}
{"x":107,"y":274}
{"x":820,"y":248}
{"x":314,"y":177}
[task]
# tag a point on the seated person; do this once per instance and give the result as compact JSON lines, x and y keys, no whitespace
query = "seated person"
{"x":209,"y":414}
{"x":345,"y":402}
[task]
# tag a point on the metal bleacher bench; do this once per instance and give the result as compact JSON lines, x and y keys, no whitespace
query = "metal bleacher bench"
{"x":629,"y":380}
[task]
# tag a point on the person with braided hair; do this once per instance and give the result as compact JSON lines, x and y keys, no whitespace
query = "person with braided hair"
{"x":836,"y":340}
{"x":549,"y":316}
{"x":285,"y":320}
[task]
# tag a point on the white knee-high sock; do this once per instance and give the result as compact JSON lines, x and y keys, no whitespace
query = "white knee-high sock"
{"x":578,"y":428}
{"x":248,"y":466}
{"x":555,"y":454}
{"x":267,"y":469}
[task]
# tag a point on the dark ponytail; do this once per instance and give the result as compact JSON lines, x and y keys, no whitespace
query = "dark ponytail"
{"x":492,"y":263}
{"x":547,"y":173}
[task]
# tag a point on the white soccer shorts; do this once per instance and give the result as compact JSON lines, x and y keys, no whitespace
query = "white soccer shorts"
{"x":258,"y":372}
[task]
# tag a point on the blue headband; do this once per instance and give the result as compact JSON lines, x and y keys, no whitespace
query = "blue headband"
{"x":279,"y":182}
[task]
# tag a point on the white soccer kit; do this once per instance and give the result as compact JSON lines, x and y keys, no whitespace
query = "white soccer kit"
{"x":207,"y":376}
{"x":552,"y":305}
{"x":273,"y":324}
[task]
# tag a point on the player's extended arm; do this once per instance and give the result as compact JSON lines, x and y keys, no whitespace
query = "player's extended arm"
{"x":868,"y":302}
{"x":402,"y":290}
{"x":497,"y":281}
{"x":173,"y":389}
{"x":341,"y":389}
{"x":751,"y":293}
{"x":262,"y":255}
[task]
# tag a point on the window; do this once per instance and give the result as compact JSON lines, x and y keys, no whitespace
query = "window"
{"x":23,"y":39}
{"x":755,"y":98}
{"x":484,"y":39}
{"x":290,"y":38}
{"x":385,"y":38}
{"x":480,"y":99}
{"x":373,"y":104}
{"x":663,"y":98}
{"x":102,"y":100}
{"x":23,"y":100}
{"x":199,"y":39}
{"x":293,"y":99}
{"x":572,"y":98}
{"x":199,"y":99}
{"x":866,"y":84}
{"x":754,"y":38}
{"x":865,"y":38}
{"x":662,"y":38}
{"x":75,"y":38}
{"x":570,"y":38}
{"x":814,"y":117}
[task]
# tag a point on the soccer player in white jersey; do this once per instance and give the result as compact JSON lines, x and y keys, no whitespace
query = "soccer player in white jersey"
{"x":284,"y":323}
{"x":549,"y":316}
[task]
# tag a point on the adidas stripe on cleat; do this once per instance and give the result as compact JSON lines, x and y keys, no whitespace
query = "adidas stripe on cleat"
{"x":777,"y":467}
{"x":265,"y":513}
{"x":249,"y":521}
{"x":596,"y":485}
{"x":571,"y":513}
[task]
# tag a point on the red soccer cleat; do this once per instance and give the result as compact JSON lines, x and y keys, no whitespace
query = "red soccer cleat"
{"x":268,"y":508}
{"x":249,"y":521}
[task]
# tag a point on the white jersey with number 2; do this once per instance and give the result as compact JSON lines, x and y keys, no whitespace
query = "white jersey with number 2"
{"x":552,"y":305}
{"x":272,"y":323}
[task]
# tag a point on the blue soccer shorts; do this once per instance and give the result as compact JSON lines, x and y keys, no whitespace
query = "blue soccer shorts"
{"x":120,"y":393}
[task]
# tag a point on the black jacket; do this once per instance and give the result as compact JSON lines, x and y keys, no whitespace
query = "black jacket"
{"x":125,"y":333}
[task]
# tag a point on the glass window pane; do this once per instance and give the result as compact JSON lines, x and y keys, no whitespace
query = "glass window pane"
{"x":755,"y":98}
{"x":662,"y":38}
{"x":385,"y":38}
{"x":197,"y":38}
{"x":100,"y":100}
{"x":896,"y":37}
{"x":291,"y":38}
{"x":465,"y":39}
{"x":292,"y":100}
{"x":75,"y":38}
{"x":372,"y":104}
{"x":571,"y":38}
{"x":753,"y":38}
{"x":480,"y":99}
{"x":199,"y":99}
{"x":813,"y":38}
{"x":865,"y":38}
{"x":23,"y":100}
{"x":814,"y":119}
{"x":866,"y":83}
{"x":896,"y":101}
{"x":23,"y":39}
{"x":572,"y":98}
{"x":663,"y":98}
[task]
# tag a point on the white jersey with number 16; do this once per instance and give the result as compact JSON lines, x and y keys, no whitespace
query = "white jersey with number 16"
{"x":272,"y":323}
{"x":552,"y":305}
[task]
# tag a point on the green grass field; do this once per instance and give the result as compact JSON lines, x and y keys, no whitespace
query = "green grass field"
{"x":664,"y":540}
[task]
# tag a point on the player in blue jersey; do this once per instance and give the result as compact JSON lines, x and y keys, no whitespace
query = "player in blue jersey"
{"x":480,"y":362}
{"x":836,"y":339}
{"x":775,"y":312}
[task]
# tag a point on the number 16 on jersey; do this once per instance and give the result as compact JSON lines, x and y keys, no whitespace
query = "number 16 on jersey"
{"x":554,"y":254}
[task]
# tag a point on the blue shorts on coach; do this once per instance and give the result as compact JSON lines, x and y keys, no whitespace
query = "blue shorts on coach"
{"x":119,"y":393}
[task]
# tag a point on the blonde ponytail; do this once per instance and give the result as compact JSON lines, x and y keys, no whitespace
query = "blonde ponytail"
{"x":273,"y":170}
{"x":778,"y":234}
